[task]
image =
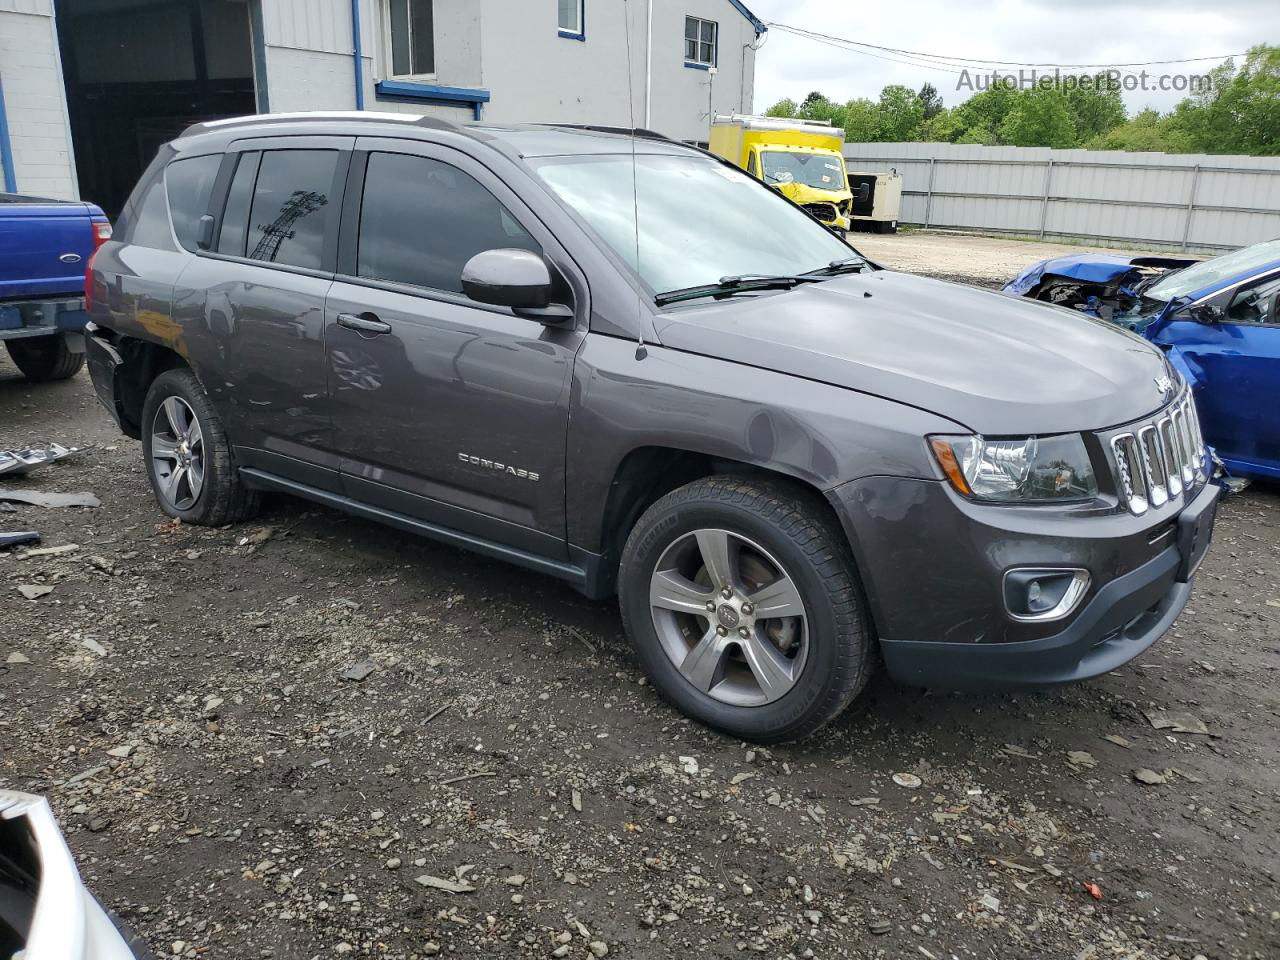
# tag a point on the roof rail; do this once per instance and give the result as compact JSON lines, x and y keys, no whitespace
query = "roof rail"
{"x":638,"y":132}
{"x":254,"y":119}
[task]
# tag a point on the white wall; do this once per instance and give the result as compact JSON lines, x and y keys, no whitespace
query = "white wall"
{"x":35,"y":102}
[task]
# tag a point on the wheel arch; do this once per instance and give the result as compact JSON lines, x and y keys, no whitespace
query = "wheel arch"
{"x":143,"y":361}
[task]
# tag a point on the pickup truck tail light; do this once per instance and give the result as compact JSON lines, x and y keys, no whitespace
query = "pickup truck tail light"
{"x":101,"y":234}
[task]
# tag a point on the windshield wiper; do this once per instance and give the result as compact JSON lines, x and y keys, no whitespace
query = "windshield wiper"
{"x":853,"y":264}
{"x":729,"y":286}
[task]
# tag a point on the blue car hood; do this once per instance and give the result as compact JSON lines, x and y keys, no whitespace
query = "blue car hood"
{"x":1088,"y":268}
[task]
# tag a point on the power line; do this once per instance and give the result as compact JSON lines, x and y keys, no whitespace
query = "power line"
{"x":956,"y":60}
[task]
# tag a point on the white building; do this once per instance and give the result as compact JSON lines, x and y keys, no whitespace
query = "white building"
{"x":90,"y":88}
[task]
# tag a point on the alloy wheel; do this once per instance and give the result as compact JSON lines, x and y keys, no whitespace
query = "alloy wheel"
{"x":177,"y":453}
{"x":729,"y":617}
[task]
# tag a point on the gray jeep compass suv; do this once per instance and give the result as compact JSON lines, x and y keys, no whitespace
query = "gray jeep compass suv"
{"x":617,"y":360}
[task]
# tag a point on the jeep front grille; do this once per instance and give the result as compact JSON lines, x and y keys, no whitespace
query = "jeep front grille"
{"x":1156,"y":462}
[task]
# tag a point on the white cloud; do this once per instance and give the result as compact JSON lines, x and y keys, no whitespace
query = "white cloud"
{"x":1039,"y":31}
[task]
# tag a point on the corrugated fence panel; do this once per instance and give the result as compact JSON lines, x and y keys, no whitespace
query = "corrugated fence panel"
{"x":1192,"y":201}
{"x":42,"y":8}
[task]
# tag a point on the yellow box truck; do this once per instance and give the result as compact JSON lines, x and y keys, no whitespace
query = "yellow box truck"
{"x":803,"y":159}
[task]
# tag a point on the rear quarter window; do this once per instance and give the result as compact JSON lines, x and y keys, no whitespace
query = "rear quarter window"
{"x":189,"y":182}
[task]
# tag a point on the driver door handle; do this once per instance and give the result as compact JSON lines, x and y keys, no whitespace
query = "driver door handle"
{"x":363,"y":323}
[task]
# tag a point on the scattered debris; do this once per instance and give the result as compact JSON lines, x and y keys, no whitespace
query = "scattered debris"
{"x":20,"y":537}
{"x":908,"y":780}
{"x":1176,"y":722}
{"x":256,"y":538}
{"x":359,"y":671}
{"x":1013,"y":750}
{"x":93,"y":646}
{"x":36,"y":498}
{"x":1118,"y":740}
{"x":865,"y":802}
{"x":34,"y":591}
{"x":989,"y":903}
{"x":49,"y":551}
{"x":880,"y":926}
{"x":738,"y":778}
{"x":1081,"y":759}
{"x":22,"y":462}
{"x":1095,"y":891}
{"x":448,"y":886}
{"x":16,"y":657}
{"x":689,"y":765}
{"x":1145,"y":775}
{"x":120,"y":753}
{"x":468,"y":776}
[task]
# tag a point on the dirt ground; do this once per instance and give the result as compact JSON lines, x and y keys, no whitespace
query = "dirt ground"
{"x":502,"y":782}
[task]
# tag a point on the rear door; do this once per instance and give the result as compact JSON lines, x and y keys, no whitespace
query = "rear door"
{"x":450,"y":411}
{"x":1237,"y":364}
{"x":258,"y":295}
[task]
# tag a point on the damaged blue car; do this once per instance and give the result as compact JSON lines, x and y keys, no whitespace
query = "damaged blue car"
{"x":1218,"y":320}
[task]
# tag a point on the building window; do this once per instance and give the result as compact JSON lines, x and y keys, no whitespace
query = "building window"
{"x":413,"y":47}
{"x":571,"y":19}
{"x":700,"y":41}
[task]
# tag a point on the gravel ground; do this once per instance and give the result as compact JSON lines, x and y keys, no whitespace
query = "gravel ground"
{"x":501,"y":781}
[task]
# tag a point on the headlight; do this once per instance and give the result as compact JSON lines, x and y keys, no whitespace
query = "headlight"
{"x":1034,"y":469}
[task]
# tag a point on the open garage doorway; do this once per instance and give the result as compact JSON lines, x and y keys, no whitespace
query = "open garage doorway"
{"x":138,"y":72}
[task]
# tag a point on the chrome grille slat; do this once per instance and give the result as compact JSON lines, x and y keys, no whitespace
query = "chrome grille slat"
{"x":1159,"y":460}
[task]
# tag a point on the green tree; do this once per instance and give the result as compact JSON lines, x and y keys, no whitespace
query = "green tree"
{"x":1147,"y":131}
{"x":930,"y":101}
{"x":901,"y":114}
{"x":783,"y":108}
{"x":1094,"y":103}
{"x":861,"y":121}
{"x":1038,"y":118}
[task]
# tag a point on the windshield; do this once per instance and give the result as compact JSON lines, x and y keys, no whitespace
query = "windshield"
{"x":819,"y":170}
{"x":1209,"y":272}
{"x":700,"y":220}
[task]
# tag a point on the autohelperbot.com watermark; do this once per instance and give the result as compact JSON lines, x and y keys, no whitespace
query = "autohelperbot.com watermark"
{"x":1107,"y":80}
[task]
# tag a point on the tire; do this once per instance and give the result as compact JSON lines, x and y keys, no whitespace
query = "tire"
{"x":181,"y":430}
{"x":139,"y":947}
{"x":816,"y":663}
{"x":44,"y":358}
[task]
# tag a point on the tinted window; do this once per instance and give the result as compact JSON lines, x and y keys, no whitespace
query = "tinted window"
{"x":235,"y":215}
{"x":291,"y":205}
{"x":421,"y":220}
{"x":189,"y":184}
{"x":1256,"y":304}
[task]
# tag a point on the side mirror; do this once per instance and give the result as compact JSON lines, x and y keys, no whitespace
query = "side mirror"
{"x":1207,"y":314}
{"x":515,"y":278}
{"x":204,"y":232}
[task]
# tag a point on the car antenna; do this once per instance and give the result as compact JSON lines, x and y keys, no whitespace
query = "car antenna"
{"x":641,"y":350}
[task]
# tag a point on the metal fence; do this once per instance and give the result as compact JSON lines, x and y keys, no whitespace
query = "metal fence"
{"x":1195,"y":202}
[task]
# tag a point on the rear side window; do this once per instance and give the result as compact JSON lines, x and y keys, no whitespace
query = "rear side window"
{"x":189,"y":183}
{"x":421,"y":221}
{"x":291,"y":207}
{"x":235,"y":216}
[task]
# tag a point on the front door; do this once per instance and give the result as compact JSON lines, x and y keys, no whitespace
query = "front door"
{"x":444,"y":409}
{"x":1237,"y":364}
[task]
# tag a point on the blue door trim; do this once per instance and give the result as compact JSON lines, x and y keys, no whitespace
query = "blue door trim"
{"x":6,"y":149}
{"x":413,"y":91}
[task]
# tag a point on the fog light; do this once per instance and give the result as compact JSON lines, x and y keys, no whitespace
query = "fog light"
{"x":1038,"y":594}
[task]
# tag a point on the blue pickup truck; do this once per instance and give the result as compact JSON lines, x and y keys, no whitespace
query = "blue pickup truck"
{"x":45,"y":247}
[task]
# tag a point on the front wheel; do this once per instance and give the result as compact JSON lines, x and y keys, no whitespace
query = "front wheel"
{"x":44,"y":358}
{"x":742,"y":604}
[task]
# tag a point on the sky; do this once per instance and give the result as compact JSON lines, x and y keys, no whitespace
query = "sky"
{"x":1030,"y":31}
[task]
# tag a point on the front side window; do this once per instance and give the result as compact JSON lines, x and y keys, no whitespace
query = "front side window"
{"x":700,"y":41}
{"x":412,"y":33}
{"x":421,"y":220}
{"x":291,"y":208}
{"x":1257,"y":303}
{"x":571,"y":17}
{"x":189,"y":183}
{"x":700,"y":220}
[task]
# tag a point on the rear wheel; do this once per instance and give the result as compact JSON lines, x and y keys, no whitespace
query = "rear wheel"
{"x":44,"y":358}
{"x":742,"y":604}
{"x":187,"y":455}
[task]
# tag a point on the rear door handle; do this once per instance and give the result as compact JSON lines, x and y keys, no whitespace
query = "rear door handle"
{"x":363,"y":323}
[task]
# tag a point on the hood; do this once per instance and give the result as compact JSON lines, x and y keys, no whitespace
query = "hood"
{"x":1089,"y":268}
{"x":998,"y":365}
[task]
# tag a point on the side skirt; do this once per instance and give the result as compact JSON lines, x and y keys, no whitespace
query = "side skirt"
{"x":586,"y":574}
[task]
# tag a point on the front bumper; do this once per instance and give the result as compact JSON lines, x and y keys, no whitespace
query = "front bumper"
{"x":933,"y":566}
